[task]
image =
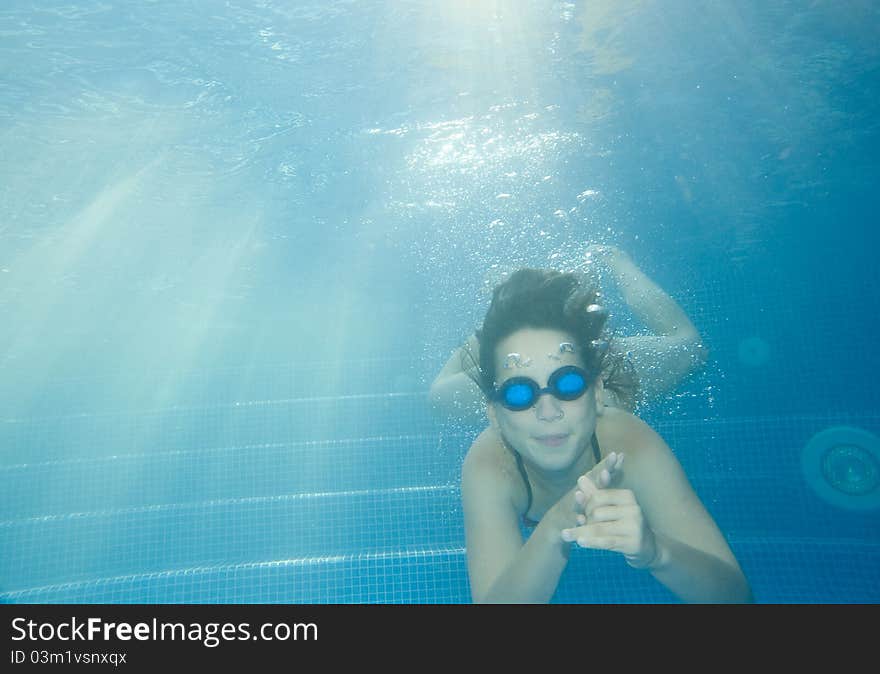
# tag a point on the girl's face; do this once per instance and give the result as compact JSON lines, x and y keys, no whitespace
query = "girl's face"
{"x":552,"y":434}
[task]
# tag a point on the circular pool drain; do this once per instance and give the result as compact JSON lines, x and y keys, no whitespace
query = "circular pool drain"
{"x":842,"y":465}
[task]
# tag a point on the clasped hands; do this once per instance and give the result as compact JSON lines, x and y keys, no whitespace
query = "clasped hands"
{"x":610,"y":518}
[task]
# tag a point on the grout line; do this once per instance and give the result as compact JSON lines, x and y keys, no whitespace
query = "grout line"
{"x":245,"y":566}
{"x":221,"y":406}
{"x":305,"y":444}
{"x":392,"y":491}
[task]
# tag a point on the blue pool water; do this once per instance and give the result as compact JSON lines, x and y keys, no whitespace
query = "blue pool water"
{"x":238,"y":240}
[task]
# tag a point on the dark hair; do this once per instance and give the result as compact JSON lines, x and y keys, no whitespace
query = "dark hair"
{"x":539,"y":298}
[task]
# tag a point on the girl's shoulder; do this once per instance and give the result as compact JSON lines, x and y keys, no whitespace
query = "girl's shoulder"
{"x":491,"y":463}
{"x":647,"y":457}
{"x":620,"y":431}
{"x":488,"y":453}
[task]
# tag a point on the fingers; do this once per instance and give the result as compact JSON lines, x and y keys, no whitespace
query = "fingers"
{"x":608,"y":496}
{"x":622,"y":506}
{"x":607,"y":505}
{"x":615,"y":534}
{"x":608,"y":512}
{"x":598,"y":477}
{"x":596,"y":541}
{"x":609,"y":518}
{"x":599,"y":537}
{"x":603,"y":472}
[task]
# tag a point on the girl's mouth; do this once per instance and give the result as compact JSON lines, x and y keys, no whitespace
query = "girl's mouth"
{"x":552,"y":440}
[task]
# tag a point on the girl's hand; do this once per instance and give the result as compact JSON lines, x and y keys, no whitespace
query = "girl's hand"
{"x":611,"y":519}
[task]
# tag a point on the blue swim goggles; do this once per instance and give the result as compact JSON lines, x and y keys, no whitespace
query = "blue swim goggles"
{"x":569,"y":382}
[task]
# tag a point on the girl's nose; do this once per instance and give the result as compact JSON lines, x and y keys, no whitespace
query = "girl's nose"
{"x":548,"y":408}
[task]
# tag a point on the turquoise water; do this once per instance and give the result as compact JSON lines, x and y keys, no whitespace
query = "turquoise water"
{"x":238,"y":240}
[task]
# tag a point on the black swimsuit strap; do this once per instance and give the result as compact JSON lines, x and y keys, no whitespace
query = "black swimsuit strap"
{"x":525,"y":477}
{"x":597,"y":456}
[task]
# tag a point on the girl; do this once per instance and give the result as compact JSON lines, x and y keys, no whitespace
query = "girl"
{"x":557,"y":458}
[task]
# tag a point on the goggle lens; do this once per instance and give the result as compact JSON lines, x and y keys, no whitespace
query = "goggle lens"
{"x":570,"y":385}
{"x":519,"y":396}
{"x":521,"y":393}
